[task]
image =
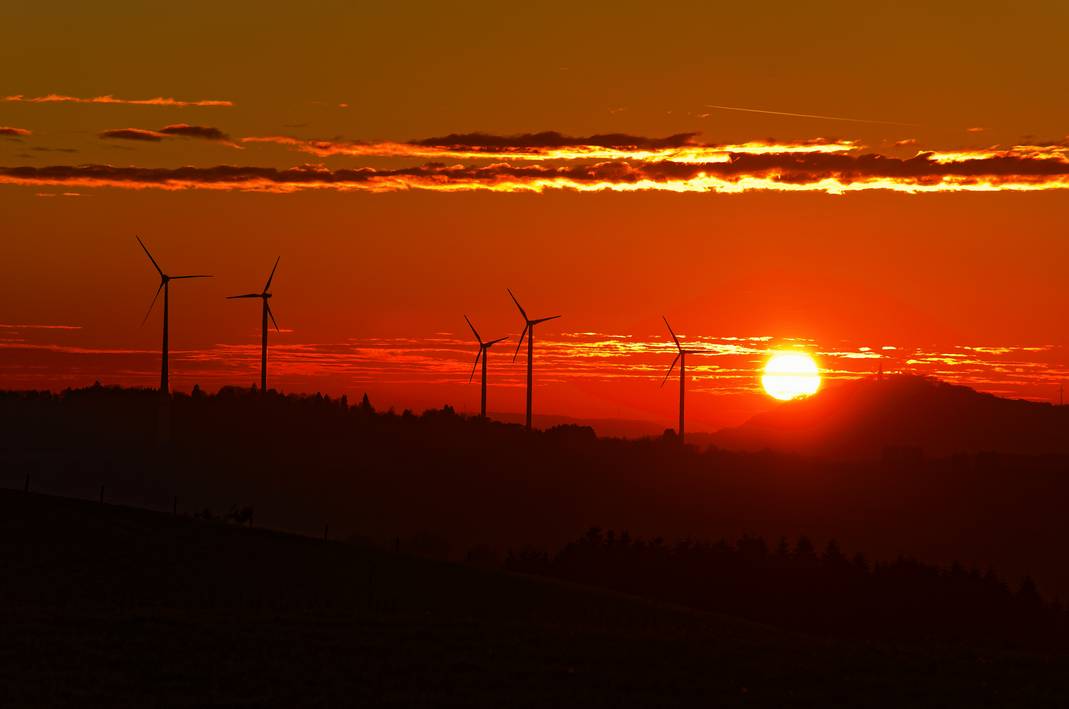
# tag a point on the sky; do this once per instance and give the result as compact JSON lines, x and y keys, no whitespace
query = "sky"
{"x":895,"y":193}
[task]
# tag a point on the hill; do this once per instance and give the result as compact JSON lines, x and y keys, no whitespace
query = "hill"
{"x":444,"y":484}
{"x":903,"y":415}
{"x":111,"y":606}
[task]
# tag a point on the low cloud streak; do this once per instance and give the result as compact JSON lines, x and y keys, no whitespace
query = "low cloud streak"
{"x":132,"y":134}
{"x":177,"y":130}
{"x":108,"y":99}
{"x":550,"y":145}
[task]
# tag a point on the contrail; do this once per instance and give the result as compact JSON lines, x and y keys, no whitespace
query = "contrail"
{"x":810,"y":115}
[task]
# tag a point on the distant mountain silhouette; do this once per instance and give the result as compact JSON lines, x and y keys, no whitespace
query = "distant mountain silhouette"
{"x":903,"y":417}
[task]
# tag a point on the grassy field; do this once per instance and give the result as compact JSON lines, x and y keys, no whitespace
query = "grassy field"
{"x":112,"y":606}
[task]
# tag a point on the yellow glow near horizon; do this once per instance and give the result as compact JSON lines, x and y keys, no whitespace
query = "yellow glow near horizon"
{"x":789,"y":375}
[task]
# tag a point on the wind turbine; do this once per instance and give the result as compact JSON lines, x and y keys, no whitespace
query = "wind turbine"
{"x":165,"y":282}
{"x":681,"y":357}
{"x":265,"y":296}
{"x":528,"y":325}
{"x":483,"y":348}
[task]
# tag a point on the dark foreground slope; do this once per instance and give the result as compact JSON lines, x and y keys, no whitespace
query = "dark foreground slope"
{"x":112,"y":606}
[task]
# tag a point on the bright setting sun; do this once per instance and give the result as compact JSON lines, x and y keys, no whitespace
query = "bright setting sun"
{"x":789,"y":375}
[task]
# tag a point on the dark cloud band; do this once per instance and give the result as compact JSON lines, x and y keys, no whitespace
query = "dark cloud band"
{"x":816,"y":172}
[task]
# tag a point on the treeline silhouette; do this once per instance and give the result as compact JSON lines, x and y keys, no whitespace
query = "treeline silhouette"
{"x":441,"y":483}
{"x":797,"y":586}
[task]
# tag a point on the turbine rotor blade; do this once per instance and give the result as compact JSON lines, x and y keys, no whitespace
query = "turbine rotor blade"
{"x":271,"y":277}
{"x":480,"y":354}
{"x":157,"y":266}
{"x":522,"y":311}
{"x":520,"y":343}
{"x":199,"y":275}
{"x":152,"y":304}
{"x":272,"y":314}
{"x":494,"y":342}
{"x":542,"y":320}
{"x":474,"y":331}
{"x":673,"y":366}
{"x":247,"y":295}
{"x":678,"y":346}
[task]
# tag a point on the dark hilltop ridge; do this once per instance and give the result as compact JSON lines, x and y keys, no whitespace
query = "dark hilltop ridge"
{"x":903,"y":415}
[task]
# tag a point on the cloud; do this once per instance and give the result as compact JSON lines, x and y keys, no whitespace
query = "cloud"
{"x":553,"y":139}
{"x":177,"y":130}
{"x":550,"y":145}
{"x":187,"y":131}
{"x":10,"y":132}
{"x":535,"y":162}
{"x":132,"y":134}
{"x":1019,"y":168}
{"x":158,"y":101}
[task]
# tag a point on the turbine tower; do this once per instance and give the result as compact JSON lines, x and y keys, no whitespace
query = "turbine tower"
{"x":528,"y":326}
{"x":165,"y":282}
{"x":265,"y":296}
{"x":483,"y":348}
{"x":681,"y":357}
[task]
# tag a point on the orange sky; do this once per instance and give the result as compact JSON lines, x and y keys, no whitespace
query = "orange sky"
{"x":372,"y":286}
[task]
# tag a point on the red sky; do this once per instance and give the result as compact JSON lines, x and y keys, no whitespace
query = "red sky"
{"x":383,"y":254}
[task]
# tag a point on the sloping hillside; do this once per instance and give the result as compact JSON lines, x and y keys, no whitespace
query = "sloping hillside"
{"x":112,"y":606}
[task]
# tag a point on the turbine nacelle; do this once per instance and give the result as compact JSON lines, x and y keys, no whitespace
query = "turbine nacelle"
{"x":483,"y":347}
{"x":528,"y":323}
{"x":264,"y":295}
{"x":164,"y":278}
{"x":681,"y":352}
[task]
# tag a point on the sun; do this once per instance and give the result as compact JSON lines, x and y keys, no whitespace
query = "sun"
{"x":789,"y":375}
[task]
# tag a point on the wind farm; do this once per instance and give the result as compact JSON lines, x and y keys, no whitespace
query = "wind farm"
{"x":529,"y":324}
{"x":852,"y":494}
